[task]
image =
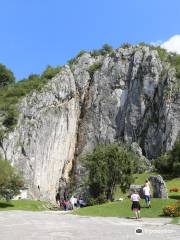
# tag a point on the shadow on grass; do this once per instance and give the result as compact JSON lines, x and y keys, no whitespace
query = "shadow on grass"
{"x":5,"y":205}
{"x":177,"y":197}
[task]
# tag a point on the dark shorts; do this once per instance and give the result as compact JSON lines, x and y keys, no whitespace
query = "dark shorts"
{"x":135,"y":206}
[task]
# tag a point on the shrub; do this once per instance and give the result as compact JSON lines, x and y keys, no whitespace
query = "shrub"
{"x":174,"y":190}
{"x":73,"y":61}
{"x":50,"y":72}
{"x":93,"y":68}
{"x":106,"y":49}
{"x":12,"y":93}
{"x":126,"y":45}
{"x":80,"y":53}
{"x":172,"y":210}
{"x":169,"y":163}
{"x":6,"y":76}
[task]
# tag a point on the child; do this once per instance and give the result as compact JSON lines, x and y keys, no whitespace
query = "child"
{"x":135,"y":204}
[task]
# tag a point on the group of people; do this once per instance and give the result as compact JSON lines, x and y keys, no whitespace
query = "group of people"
{"x":70,"y":203}
{"x":135,"y":198}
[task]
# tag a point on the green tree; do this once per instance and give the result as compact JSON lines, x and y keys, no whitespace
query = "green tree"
{"x":109,"y":166}
{"x":169,"y":163}
{"x":6,"y":76}
{"x":10,"y":181}
{"x":50,"y":72}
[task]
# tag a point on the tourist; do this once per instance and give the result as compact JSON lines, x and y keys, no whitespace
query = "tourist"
{"x":147,"y":183}
{"x":135,"y":204}
{"x":58,"y":198}
{"x":73,"y":201}
{"x":82,"y":202}
{"x":146,"y":191}
{"x":66,"y":204}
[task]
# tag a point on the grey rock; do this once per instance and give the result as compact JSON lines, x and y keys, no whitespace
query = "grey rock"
{"x":159,"y":187}
{"x":137,"y":188}
{"x":125,"y":99}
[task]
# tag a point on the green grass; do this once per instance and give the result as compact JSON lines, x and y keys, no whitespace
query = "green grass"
{"x":172,"y":183}
{"x":176,"y":220}
{"x":123,"y":209}
{"x":27,"y":205}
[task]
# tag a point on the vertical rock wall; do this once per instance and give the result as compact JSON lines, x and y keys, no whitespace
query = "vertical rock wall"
{"x":98,"y":99}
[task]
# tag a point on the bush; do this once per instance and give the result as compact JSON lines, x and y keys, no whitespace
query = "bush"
{"x":174,"y":190}
{"x":94,"y":201}
{"x":172,"y":210}
{"x":106,"y":49}
{"x":11,"y":94}
{"x":50,"y":72}
{"x":80,"y":53}
{"x":6,"y":76}
{"x":126,"y":45}
{"x":169,"y":163}
{"x":93,"y":68}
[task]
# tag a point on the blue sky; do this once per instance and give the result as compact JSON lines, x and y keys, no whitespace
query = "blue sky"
{"x":36,"y":33}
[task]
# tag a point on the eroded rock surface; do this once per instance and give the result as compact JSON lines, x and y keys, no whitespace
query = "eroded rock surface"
{"x":128,"y":95}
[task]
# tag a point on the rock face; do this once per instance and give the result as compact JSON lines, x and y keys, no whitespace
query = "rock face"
{"x":138,"y":189}
{"x":126,"y":95}
{"x":159,"y":187}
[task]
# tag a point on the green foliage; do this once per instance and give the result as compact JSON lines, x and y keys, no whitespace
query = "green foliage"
{"x":6,"y":76}
{"x":10,"y":181}
{"x":169,"y":163}
{"x":73,"y":61}
{"x":11,"y":94}
{"x":106,"y":49}
{"x":143,"y":44}
{"x":50,"y":72}
{"x":162,"y":53}
{"x":93,"y":68}
{"x":174,"y":60}
{"x":80,"y":53}
{"x":126,"y":45}
{"x":11,"y":118}
{"x":109,"y":166}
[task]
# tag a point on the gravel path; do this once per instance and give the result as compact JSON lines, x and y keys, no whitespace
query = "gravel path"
{"x":20,"y":225}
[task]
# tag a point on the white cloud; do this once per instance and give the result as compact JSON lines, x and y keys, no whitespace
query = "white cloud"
{"x":172,"y":44}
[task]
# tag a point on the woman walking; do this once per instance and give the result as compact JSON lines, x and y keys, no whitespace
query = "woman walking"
{"x":136,"y":208}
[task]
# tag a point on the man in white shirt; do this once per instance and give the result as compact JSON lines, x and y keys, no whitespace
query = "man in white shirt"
{"x":146,"y":191}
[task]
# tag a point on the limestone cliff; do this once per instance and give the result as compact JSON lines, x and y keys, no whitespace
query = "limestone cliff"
{"x":128,"y":95}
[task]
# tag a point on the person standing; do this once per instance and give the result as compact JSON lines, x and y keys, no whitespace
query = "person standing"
{"x":136,"y":208}
{"x":146,"y":191}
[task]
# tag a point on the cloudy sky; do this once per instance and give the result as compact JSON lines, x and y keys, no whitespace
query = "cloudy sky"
{"x":36,"y":33}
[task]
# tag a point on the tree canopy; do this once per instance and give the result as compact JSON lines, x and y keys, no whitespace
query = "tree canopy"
{"x":169,"y":163}
{"x":109,"y":166}
{"x":10,"y":180}
{"x":6,"y":76}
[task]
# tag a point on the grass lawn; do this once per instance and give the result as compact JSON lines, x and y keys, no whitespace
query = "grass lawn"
{"x":123,"y":209}
{"x":27,"y":205}
{"x":176,"y":220}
